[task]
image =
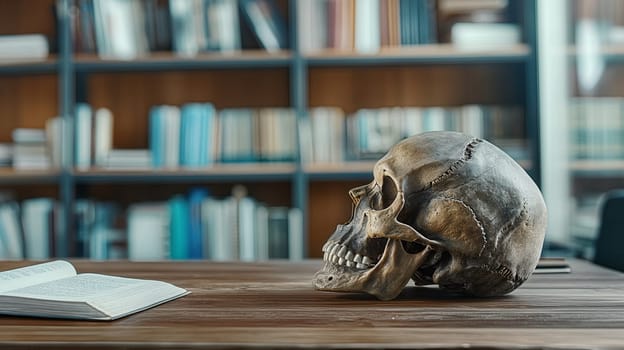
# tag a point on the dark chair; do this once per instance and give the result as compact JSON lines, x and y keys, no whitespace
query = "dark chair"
{"x":609,"y":250}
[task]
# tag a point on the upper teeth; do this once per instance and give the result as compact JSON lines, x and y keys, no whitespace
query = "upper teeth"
{"x":339,"y":254}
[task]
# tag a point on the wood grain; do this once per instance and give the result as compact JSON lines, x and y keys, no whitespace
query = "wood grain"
{"x":352,"y":88}
{"x":269,"y":305}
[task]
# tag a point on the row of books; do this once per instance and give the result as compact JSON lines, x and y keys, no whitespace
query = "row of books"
{"x":596,"y":127}
{"x":126,"y":29}
{"x":28,"y":229}
{"x":365,"y":25}
{"x":191,"y":136}
{"x":328,"y":135}
{"x":196,"y":135}
{"x":192,"y":226}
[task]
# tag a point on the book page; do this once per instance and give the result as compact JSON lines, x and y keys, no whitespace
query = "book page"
{"x":35,"y":274}
{"x":111,"y":295}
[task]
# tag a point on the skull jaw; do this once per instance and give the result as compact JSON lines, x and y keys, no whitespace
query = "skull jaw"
{"x":385,"y":280}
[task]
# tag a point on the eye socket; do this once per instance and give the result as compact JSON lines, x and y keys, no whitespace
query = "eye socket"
{"x":388,"y":191}
{"x":383,"y":199}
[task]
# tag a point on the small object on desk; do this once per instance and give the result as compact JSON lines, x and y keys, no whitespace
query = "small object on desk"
{"x":552,"y":265}
{"x":54,"y":290}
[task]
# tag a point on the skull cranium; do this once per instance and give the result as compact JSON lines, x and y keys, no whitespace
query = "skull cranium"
{"x":443,"y":208}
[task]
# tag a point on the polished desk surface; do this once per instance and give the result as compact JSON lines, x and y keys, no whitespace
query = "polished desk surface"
{"x":268,"y":305}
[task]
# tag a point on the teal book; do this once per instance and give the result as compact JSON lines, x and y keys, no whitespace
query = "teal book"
{"x":195,"y":239}
{"x":179,"y":228}
{"x":157,"y":135}
{"x":196,"y":141}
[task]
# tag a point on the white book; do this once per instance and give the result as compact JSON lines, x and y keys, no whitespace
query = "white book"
{"x":118,"y":31}
{"x":55,"y":290}
{"x":246,"y":229}
{"x":305,"y":18}
{"x":295,"y":234}
{"x":483,"y":36}
{"x":54,"y":140}
{"x":148,"y":232}
{"x":36,"y":224}
{"x":23,"y":46}
{"x":367,"y":33}
{"x":103,"y":135}
{"x":10,"y":232}
{"x":83,"y":136}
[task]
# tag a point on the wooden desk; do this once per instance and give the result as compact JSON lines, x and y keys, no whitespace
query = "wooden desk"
{"x":273,"y":305}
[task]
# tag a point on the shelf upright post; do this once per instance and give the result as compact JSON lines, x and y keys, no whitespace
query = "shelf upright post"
{"x":66,"y":96}
{"x":532,"y":107}
{"x":298,"y":100}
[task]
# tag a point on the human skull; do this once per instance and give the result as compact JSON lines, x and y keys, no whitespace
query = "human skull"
{"x":443,"y":208}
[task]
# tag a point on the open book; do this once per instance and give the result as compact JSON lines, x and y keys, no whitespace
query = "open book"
{"x":55,"y":290}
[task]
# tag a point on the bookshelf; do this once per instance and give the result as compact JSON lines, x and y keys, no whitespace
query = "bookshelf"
{"x":584,"y":104}
{"x":427,"y":75}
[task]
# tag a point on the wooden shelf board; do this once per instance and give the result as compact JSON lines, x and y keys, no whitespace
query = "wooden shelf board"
{"x":170,"y":61}
{"x":32,"y":66}
{"x":16,"y":176}
{"x":437,"y":53}
{"x":597,"y":168}
{"x":611,"y":52}
{"x":220,"y":173}
{"x":350,"y":170}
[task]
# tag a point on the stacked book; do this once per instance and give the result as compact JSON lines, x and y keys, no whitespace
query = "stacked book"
{"x":6,"y":155}
{"x":29,"y":149}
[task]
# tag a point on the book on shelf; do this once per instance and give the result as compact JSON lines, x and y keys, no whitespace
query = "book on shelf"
{"x":119,"y":29}
{"x":83,"y":130}
{"x":148,"y":231}
{"x":55,"y":290}
{"x":479,"y":36}
{"x":11,"y":236}
{"x":102,"y":136}
{"x":54,"y":130}
{"x":38,"y":222}
{"x":6,"y":155}
{"x":164,"y":136}
{"x":266,"y":23}
{"x":30,"y":150}
{"x":22,"y":47}
{"x":367,"y":30}
{"x":197,"y":135}
{"x":128,"y":159}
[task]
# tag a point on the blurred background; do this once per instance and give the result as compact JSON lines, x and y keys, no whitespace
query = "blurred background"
{"x":233,"y":129}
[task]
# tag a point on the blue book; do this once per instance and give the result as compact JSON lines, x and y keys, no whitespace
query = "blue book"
{"x":179,"y":228}
{"x":157,"y":135}
{"x":195,"y":242}
{"x":197,"y":128}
